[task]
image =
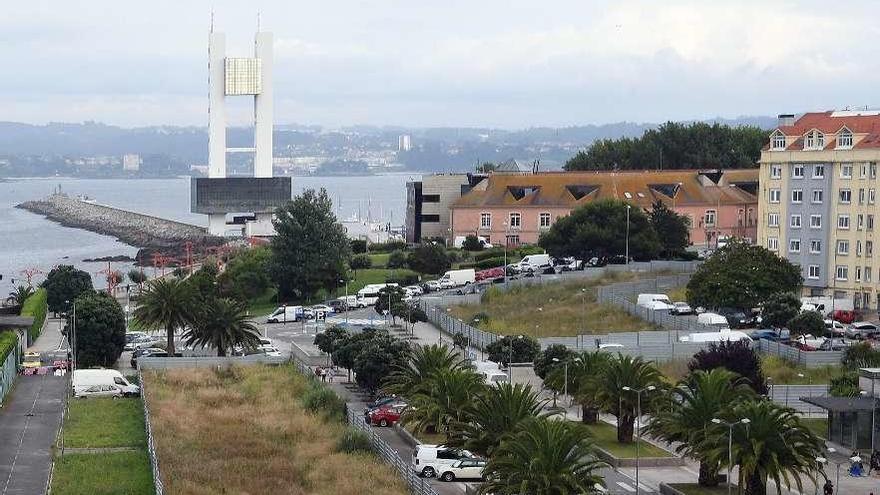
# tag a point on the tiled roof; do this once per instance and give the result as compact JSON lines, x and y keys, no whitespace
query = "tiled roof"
{"x":640,"y":187}
{"x":865,"y":127}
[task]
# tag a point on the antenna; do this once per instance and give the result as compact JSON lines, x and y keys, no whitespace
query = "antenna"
{"x":212,"y":21}
{"x":258,"y":22}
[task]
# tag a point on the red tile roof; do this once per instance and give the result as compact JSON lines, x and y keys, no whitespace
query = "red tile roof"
{"x":865,"y":127}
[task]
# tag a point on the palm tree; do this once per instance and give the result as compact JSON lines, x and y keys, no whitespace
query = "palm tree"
{"x":544,"y":457}
{"x":223,"y":324}
{"x":494,"y":415}
{"x":20,"y":295}
{"x":773,"y":445}
{"x":694,"y":402}
{"x":441,"y":401}
{"x":606,"y":390}
{"x":423,"y":363}
{"x":167,"y":303}
{"x":580,"y":371}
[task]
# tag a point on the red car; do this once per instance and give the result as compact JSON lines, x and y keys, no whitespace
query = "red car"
{"x":489,"y":274}
{"x":386,"y":415}
{"x":845,"y":316}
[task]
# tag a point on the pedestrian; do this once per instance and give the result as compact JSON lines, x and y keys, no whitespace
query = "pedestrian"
{"x":330,"y":374}
{"x":323,"y":375}
{"x":828,"y":489}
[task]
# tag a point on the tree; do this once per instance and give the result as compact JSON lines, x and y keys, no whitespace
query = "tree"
{"x":775,"y":445}
{"x":391,"y":300}
{"x":20,"y":295}
{"x":358,"y":246}
{"x":779,"y":309}
{"x":472,"y":243}
{"x":63,"y":285}
{"x":742,"y":276}
{"x":494,"y":415}
{"x":204,"y":283}
{"x":544,"y":456}
{"x":861,"y":355}
{"x":247,"y":274}
{"x":808,"y":322}
{"x":607,"y":389}
{"x":416,"y":315}
{"x":100,"y":330}
{"x":580,"y":375}
{"x":737,"y":357}
{"x":440,"y":402}
{"x":397,"y":259}
{"x":377,"y":358}
{"x":545,"y":360}
{"x":429,"y":258}
{"x":409,"y":377}
{"x":695,"y":401}
{"x":332,"y":339}
{"x":673,"y":229}
{"x":360,"y":262}
{"x":166,"y":303}
{"x":222,"y":324}
{"x":137,"y":276}
{"x":524,"y":348}
{"x":310,"y":249}
{"x":599,"y":229}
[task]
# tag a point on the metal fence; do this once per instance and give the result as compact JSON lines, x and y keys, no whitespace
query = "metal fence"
{"x":809,"y":359}
{"x":145,"y":363}
{"x":8,"y":372}
{"x":151,"y":444}
{"x":790,"y":396}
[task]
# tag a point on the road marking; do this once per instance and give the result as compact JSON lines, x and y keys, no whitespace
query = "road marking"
{"x":645,"y":488}
{"x":626,"y":487}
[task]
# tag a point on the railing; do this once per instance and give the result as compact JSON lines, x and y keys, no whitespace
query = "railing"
{"x":151,"y":445}
{"x":790,"y":396}
{"x":810,"y":359}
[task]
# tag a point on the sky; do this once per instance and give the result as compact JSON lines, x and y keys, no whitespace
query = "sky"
{"x":505,"y":63}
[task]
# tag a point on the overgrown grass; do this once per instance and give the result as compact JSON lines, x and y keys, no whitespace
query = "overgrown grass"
{"x":35,"y":306}
{"x":673,"y":370}
{"x":105,"y":422}
{"x":819,"y":426}
{"x":677,"y":294}
{"x":605,"y":436}
{"x":785,"y":373}
{"x":695,"y":489}
{"x":119,"y":473}
{"x":264,"y":304}
{"x":380,"y":260}
{"x":243,"y":430}
{"x":8,"y":341}
{"x":566,"y":309}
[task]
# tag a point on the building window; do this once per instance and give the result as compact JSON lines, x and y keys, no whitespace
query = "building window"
{"x":513,"y":240}
{"x":813,"y":271}
{"x":775,"y":195}
{"x":815,"y":221}
{"x":430,"y":218}
{"x":515,"y":221}
{"x":860,"y":221}
{"x":867,"y":274}
{"x":842,"y":272}
{"x":843,"y":248}
{"x":870,"y":222}
{"x":815,"y":141}
{"x":773,"y":219}
{"x":817,"y":196}
{"x":818,"y":171}
{"x":845,"y":196}
{"x":775,"y":171}
{"x":773,"y":243}
{"x":846,"y":170}
{"x":797,"y":195}
{"x":797,"y":172}
{"x":815,"y":246}
{"x":869,"y":249}
{"x":709,"y":218}
{"x":873,"y":167}
{"x":864,"y":169}
{"x":844,"y":139}
{"x":794,"y":246}
{"x":871,"y":196}
{"x":430,"y":198}
{"x":858,"y":248}
{"x":544,"y":220}
{"x":779,"y":141}
{"x":485,"y":220}
{"x":858,"y":274}
{"x":795,"y":222}
{"x":842,"y":221}
{"x":861,"y":196}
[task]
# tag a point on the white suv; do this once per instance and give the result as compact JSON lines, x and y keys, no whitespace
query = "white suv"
{"x":428,"y":460}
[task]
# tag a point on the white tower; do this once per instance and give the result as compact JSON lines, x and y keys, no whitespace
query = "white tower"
{"x":255,"y":198}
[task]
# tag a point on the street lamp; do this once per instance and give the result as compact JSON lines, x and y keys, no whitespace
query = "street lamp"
{"x":71,"y":337}
{"x":864,"y":393}
{"x":627,"y":233}
{"x":510,"y":360}
{"x":638,"y":393}
{"x":346,"y":302}
{"x":838,"y":464}
{"x":730,"y":426}
{"x":565,"y":392}
{"x":819,"y":462}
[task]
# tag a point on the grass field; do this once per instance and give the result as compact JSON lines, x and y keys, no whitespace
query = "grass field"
{"x":119,"y":473}
{"x":553,"y":309}
{"x":380,"y":260}
{"x":785,"y":373}
{"x":105,"y":422}
{"x":605,"y":436}
{"x":243,"y":431}
{"x":819,"y":426}
{"x":695,"y":489}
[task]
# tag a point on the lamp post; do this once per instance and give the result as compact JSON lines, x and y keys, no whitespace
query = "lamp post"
{"x":819,"y":462}
{"x":440,"y":330}
{"x":730,"y":426}
{"x":638,"y":392}
{"x":346,"y":302}
{"x":864,"y":393}
{"x":565,"y":375}
{"x":584,"y":309}
{"x":505,"y":254}
{"x":837,"y":464}
{"x":627,"y":237}
{"x":510,"y":360}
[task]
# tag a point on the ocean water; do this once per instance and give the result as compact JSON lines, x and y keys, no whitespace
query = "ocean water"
{"x":30,"y":241}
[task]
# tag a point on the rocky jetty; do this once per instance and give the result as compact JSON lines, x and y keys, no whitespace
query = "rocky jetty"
{"x":152,"y":234}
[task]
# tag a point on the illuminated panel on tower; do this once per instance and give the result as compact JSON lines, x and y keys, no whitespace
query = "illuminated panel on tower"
{"x":243,"y":76}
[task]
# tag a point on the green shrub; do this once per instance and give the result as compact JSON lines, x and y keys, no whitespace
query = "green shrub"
{"x":489,"y":263}
{"x":396,"y":259}
{"x":527,"y":250}
{"x":491,"y":253}
{"x":358,"y":246}
{"x":8,"y":341}
{"x":360,"y":262}
{"x":403,"y":278}
{"x":472,"y":243}
{"x":386,"y":247}
{"x":35,"y":306}
{"x":845,"y":385}
{"x":321,"y":400}
{"x":354,"y":441}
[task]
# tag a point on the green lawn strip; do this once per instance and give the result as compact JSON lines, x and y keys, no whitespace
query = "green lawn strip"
{"x":118,"y":473}
{"x":783,"y":372}
{"x":819,"y":426}
{"x":380,"y":260}
{"x":605,"y":436}
{"x":105,"y":422}
{"x":695,"y":489}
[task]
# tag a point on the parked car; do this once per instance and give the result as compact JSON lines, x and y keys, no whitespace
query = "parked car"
{"x":535,"y":263}
{"x":338,"y":305}
{"x":100,"y":382}
{"x":773,"y":335}
{"x":862,"y":330}
{"x":386,"y":415}
{"x":384,"y":401}
{"x":428,"y":460}
{"x":567,"y":264}
{"x":736,"y":318}
{"x":846,"y":316}
{"x":467,"y":469}
{"x":431,"y":286}
{"x":318,"y":308}
{"x":596,"y":261}
{"x":414,"y":290}
{"x":681,"y":308}
{"x":151,"y":353}
{"x":835,"y":327}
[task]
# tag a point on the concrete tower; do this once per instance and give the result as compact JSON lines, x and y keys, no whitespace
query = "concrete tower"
{"x":252,"y":198}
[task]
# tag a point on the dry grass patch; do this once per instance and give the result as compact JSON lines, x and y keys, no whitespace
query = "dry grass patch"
{"x":245,"y":431}
{"x":567,"y":309}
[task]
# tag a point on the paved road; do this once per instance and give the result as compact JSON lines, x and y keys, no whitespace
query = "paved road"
{"x":29,"y":421}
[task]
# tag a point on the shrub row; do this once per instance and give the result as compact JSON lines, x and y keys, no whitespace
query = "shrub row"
{"x":8,"y":341}
{"x":35,"y":306}
{"x":386,"y":247}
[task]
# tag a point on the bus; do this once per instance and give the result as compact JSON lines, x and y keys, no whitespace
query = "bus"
{"x":370,"y":293}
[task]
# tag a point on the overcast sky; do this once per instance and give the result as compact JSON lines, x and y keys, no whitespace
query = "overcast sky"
{"x":504,"y":63}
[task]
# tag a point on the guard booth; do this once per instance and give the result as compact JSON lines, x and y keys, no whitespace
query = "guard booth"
{"x":853,"y":421}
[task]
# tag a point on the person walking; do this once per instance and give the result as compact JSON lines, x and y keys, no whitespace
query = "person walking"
{"x":828,"y":489}
{"x":330,"y":374}
{"x":323,"y":375}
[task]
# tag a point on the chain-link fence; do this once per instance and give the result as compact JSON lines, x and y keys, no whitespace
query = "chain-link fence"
{"x":151,"y":444}
{"x":809,"y":359}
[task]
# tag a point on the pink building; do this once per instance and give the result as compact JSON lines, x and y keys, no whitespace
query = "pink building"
{"x":519,"y":207}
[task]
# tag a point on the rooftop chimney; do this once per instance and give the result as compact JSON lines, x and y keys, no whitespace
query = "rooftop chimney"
{"x":785,"y":119}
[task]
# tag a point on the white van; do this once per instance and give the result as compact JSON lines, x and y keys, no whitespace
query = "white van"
{"x":712,"y":319}
{"x":370,"y":294}
{"x":647,"y":300}
{"x":708,"y":337}
{"x":102,"y":382}
{"x":427,"y":460}
{"x":491,"y":372}
{"x":458,"y":242}
{"x":457,"y":278}
{"x":535,"y":263}
{"x":285,"y":314}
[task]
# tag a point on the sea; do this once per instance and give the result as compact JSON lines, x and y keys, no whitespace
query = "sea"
{"x":29,"y":242}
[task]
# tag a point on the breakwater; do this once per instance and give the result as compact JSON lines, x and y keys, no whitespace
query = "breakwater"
{"x":151,"y":234}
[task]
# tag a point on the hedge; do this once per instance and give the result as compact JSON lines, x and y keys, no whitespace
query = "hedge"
{"x":490,"y":263}
{"x":35,"y":306}
{"x":8,"y":341}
